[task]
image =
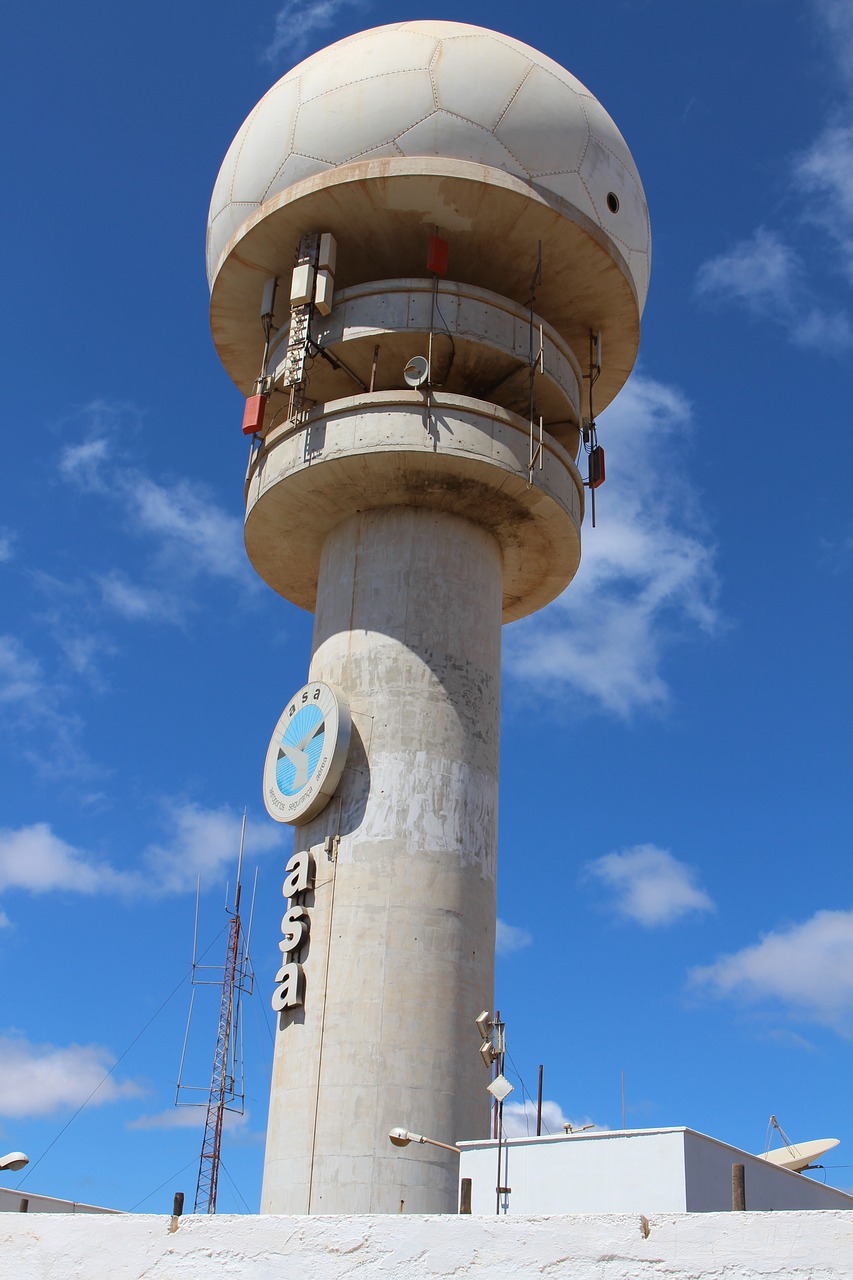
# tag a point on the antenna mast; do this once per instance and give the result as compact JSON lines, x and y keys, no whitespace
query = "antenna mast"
{"x":226,"y":1081}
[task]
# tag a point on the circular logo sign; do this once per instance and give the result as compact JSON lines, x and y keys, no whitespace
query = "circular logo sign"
{"x":307,"y":753}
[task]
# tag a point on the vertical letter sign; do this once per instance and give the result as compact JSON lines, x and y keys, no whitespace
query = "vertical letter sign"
{"x":298,"y":880}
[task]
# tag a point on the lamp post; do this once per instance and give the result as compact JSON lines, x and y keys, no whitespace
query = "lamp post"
{"x":401,"y":1138}
{"x":13,"y":1161}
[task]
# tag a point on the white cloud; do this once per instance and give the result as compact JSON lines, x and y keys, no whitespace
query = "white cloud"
{"x":651,"y":886}
{"x":822,"y":330}
{"x":67,"y":619}
{"x":520,"y":1119}
{"x":183,"y":535}
{"x":838,"y":17}
{"x":190,"y":527}
{"x":203,"y":842}
{"x":34,"y":859}
{"x":807,"y":967}
{"x":7,"y":544}
{"x":825,"y":175}
{"x":5,"y":922}
{"x":767,"y":277}
{"x":200,"y":842}
{"x":39,"y":1079}
{"x":20,"y":672}
{"x":647,"y":573}
{"x":83,"y":464}
{"x":191,"y":1117}
{"x":190,"y":533}
{"x":135,"y":602}
{"x":788,"y":1039}
{"x":763,"y":272}
{"x":297,"y":25}
{"x":84,"y":651}
{"x":32,"y":703}
{"x":836,"y":552}
{"x":509,"y":938}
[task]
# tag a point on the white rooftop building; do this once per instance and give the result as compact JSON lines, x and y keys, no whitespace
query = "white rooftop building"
{"x":644,"y":1171}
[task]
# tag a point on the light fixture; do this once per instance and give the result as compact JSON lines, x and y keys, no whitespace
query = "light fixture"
{"x":14,"y":1161}
{"x":401,"y":1138}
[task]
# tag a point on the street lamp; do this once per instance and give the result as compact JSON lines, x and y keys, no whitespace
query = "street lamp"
{"x":14,"y":1161}
{"x":401,"y":1138}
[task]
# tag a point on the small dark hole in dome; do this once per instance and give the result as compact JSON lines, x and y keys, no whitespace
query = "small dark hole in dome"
{"x":613,"y":202}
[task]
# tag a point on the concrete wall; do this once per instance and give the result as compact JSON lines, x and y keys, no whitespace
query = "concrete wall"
{"x":730,"y":1246}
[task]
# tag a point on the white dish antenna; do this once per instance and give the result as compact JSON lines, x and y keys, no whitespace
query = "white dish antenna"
{"x":800,"y":1155}
{"x":416,"y":371}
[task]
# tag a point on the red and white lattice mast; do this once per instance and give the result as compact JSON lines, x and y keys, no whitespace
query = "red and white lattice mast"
{"x":227,"y":1086}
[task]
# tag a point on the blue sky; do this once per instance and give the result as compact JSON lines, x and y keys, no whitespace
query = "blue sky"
{"x":675,"y":892}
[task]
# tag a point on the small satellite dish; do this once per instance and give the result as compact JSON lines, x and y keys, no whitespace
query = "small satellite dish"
{"x":799,"y":1154}
{"x":416,"y":371}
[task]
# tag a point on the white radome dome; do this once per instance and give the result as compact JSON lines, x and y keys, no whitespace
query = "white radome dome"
{"x":436,"y":89}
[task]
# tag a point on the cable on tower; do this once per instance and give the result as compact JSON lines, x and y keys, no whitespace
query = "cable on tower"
{"x":595,"y":453}
{"x":535,"y":364}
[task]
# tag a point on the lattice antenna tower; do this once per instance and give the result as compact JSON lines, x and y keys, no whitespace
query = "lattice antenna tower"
{"x":226,"y":1091}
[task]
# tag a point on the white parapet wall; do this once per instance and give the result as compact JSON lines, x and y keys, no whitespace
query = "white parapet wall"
{"x":720,"y":1246}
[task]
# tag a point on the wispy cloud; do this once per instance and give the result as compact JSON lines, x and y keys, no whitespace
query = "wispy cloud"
{"x":767,"y":277}
{"x":66,"y":616}
{"x":647,"y":575}
{"x":31,"y":704}
{"x":84,"y":652}
{"x":807,"y":968}
{"x":520,"y":1119}
{"x":177,"y":542}
{"x":186,"y":1118}
{"x":763,"y":272}
{"x":20,"y":673}
{"x":198,"y":842}
{"x":296,"y":27}
{"x":825,"y":174}
{"x":836,"y":553}
{"x":136,"y":602}
{"x":83,"y":464}
{"x":190,"y":527}
{"x":34,"y":859}
{"x":838,"y":18}
{"x":203,"y":842}
{"x":39,"y":1079}
{"x":7,"y":544}
{"x":188,"y":534}
{"x":650,"y":886}
{"x":788,"y":1039}
{"x":510,"y":938}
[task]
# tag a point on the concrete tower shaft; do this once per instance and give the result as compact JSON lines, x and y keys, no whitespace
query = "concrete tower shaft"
{"x":403,"y":912}
{"x":413,"y":521}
